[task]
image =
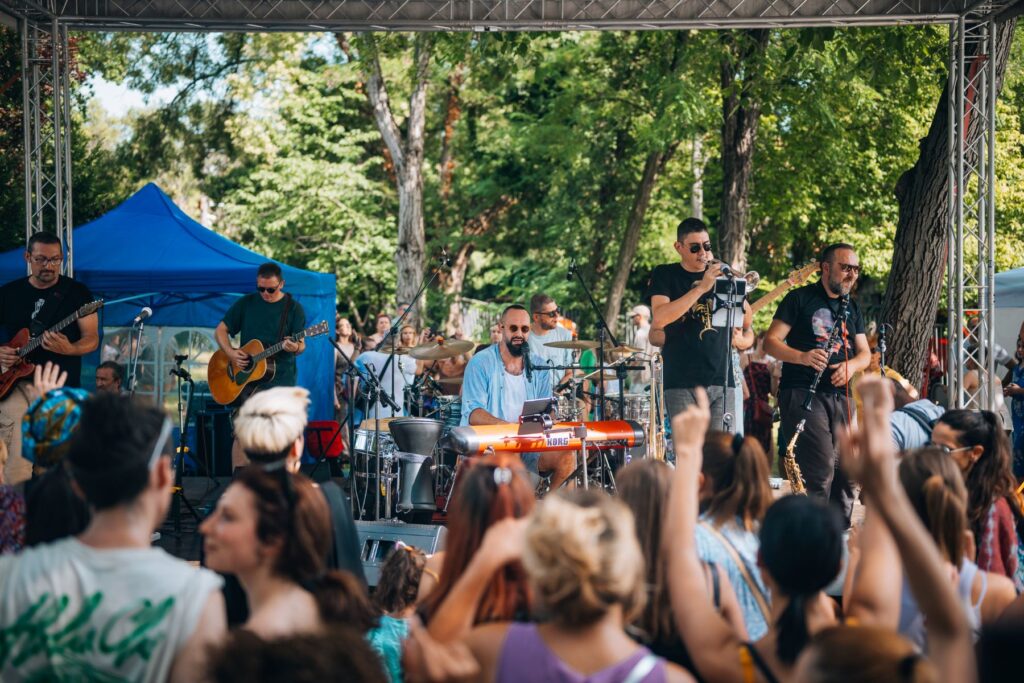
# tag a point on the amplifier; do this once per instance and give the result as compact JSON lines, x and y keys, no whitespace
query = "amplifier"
{"x":376,"y":539}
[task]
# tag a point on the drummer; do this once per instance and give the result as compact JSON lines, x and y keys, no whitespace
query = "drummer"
{"x":496,"y":386}
{"x":544,"y":329}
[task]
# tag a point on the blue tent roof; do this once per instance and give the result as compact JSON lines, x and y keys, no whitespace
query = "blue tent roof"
{"x":149,"y":250}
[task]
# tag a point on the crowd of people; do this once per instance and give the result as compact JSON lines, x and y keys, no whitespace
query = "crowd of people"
{"x":695,"y":570}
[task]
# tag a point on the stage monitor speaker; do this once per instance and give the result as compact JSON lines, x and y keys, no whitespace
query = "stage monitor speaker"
{"x":213,"y":442}
{"x":376,"y":539}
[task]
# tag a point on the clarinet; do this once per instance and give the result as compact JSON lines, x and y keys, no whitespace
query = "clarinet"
{"x":830,"y":345}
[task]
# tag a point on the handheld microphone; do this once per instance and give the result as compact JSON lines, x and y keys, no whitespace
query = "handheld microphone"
{"x":143,"y":314}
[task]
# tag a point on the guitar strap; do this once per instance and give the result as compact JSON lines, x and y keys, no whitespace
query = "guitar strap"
{"x":284,"y":316}
{"x":47,"y":315}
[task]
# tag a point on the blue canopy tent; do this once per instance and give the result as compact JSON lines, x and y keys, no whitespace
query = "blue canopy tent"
{"x":147,"y":252}
{"x":1009,"y":297}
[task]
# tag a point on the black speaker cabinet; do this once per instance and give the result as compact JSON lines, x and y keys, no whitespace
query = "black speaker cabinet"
{"x":213,"y":441}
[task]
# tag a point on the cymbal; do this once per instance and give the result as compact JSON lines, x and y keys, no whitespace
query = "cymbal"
{"x":576,"y":344}
{"x":622,"y":348}
{"x":608,"y":375}
{"x":439,"y":350}
{"x":449,"y":380}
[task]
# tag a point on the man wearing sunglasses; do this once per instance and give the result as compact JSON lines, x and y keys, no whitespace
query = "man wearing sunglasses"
{"x":497,"y":383}
{"x":37,"y":303}
{"x":695,"y":352}
{"x":268,"y":315}
{"x":545,"y":328}
{"x":797,"y":336}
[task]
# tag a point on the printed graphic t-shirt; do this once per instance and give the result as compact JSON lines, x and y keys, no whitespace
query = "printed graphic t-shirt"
{"x":694,"y":352}
{"x":72,"y":612}
{"x":810,"y":313}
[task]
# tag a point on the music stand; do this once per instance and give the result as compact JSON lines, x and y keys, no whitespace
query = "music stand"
{"x":318,"y":449}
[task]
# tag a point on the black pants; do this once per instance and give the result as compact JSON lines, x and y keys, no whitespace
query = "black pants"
{"x":817,"y":450}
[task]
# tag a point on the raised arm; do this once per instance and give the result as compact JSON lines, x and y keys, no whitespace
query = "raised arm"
{"x":709,"y":640}
{"x":877,"y":581}
{"x":869,"y":457}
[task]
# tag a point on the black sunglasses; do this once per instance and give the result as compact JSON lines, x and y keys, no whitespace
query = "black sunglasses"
{"x":696,"y":247}
{"x":268,"y":290}
{"x":518,"y":328}
{"x":551,"y":314}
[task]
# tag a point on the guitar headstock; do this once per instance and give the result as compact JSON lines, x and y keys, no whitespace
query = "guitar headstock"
{"x":90,"y":308}
{"x":800,"y":275}
{"x":318,"y":329}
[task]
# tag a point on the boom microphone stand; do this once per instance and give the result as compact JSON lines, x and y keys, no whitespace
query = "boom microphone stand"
{"x":184,"y":413}
{"x":603,"y":332}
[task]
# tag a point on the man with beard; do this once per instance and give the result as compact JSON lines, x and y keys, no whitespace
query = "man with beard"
{"x":797,"y":336}
{"x":500,"y":378}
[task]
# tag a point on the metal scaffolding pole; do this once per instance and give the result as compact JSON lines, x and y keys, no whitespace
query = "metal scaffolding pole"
{"x":971,"y":233}
{"x":46,"y":101}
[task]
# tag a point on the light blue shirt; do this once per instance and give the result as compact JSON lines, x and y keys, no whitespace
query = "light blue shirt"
{"x":908,"y":432}
{"x":746,"y":544}
{"x":484,"y":384}
{"x":551,"y":356}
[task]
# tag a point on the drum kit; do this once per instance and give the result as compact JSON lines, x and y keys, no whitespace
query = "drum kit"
{"x":405,"y":467}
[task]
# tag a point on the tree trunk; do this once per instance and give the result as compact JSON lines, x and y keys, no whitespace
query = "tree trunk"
{"x":741,"y":112}
{"x":446,"y":166}
{"x":919,"y":249}
{"x":697,"y":189}
{"x":407,"y":156}
{"x":653,"y":166}
{"x":453,"y":286}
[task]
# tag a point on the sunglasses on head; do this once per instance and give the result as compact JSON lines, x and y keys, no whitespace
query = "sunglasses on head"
{"x":697,"y":246}
{"x":268,"y":290}
{"x":518,"y":328}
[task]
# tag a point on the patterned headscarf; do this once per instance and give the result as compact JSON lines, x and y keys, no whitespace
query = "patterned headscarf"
{"x":48,"y":425}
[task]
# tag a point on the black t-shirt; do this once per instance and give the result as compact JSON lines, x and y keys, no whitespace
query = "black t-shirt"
{"x":810,"y":313}
{"x":20,"y":302}
{"x":694,"y":351}
{"x":253,"y":318}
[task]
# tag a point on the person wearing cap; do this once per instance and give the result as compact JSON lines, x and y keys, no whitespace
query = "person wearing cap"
{"x":640,"y":316}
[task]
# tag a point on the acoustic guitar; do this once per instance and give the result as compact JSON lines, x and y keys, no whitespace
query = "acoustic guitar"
{"x":227,"y":382}
{"x":26,"y":344}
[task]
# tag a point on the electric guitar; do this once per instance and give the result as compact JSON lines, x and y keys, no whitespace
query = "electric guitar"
{"x":797,"y":277}
{"x":227,"y":382}
{"x":26,"y":344}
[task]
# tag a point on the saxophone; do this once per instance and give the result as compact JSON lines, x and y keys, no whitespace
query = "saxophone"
{"x":792,"y":467}
{"x":656,"y":426}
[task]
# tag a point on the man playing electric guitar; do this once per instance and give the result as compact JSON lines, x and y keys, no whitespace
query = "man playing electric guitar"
{"x":269,"y":315}
{"x":38,"y":302}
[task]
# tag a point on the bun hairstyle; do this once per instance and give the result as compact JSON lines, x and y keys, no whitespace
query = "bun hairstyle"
{"x":292,"y":511}
{"x":583,"y":558}
{"x":270,"y":421}
{"x":991,"y":477}
{"x":936,"y":490}
{"x":738,"y":470}
{"x":801,"y":549}
{"x":864,"y":654}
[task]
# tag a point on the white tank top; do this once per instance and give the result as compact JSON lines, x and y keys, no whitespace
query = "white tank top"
{"x":912,"y":625}
{"x":72,"y":612}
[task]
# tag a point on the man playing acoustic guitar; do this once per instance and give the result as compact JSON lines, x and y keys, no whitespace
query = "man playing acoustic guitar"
{"x":38,"y":302}
{"x":269,"y":315}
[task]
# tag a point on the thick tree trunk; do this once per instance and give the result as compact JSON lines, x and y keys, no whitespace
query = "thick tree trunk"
{"x":741,"y":113}
{"x":697,"y":189}
{"x":407,"y":156}
{"x":919,"y":250}
{"x":453,"y":111}
{"x":653,"y":166}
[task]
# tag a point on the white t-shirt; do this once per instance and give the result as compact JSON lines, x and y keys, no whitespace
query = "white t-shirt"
{"x":552,"y":356}
{"x":72,"y":612}
{"x":513,"y":397}
{"x":390,"y":381}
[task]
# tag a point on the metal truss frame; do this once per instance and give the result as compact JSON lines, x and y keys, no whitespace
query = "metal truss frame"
{"x":970,"y":273}
{"x":972,"y":95}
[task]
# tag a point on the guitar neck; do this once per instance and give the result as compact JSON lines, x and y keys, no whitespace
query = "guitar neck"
{"x":770,"y":297}
{"x":276,"y":348}
{"x":35,"y":342}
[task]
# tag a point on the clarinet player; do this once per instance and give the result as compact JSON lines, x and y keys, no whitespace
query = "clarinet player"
{"x":797,"y":337}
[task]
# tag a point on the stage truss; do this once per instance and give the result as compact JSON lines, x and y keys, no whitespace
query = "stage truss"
{"x":44,"y":26}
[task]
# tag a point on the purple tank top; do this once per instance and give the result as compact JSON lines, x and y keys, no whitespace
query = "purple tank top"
{"x":526,"y":657}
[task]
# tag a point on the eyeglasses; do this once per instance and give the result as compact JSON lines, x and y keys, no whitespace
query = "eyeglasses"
{"x":43,"y":261}
{"x":849,"y":268}
{"x":268,"y":290}
{"x":551,"y":314}
{"x":518,"y":328}
{"x":946,"y":449}
{"x":697,"y":246}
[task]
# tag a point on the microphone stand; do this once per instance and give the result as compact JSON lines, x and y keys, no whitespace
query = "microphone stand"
{"x":184,"y":413}
{"x":133,"y":356}
{"x":730,"y":313}
{"x":603,"y":332}
{"x":881,"y":348}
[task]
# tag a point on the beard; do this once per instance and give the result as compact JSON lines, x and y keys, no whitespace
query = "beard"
{"x":840,"y":286}
{"x":515,"y":348}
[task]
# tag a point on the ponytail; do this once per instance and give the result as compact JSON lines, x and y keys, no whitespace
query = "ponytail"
{"x":791,"y":629}
{"x":946,"y":518}
{"x":738,"y":469}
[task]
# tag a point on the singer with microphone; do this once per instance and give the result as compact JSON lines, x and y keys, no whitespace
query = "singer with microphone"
{"x":37,"y":303}
{"x":503,"y":376}
{"x":797,"y":337}
{"x":696,"y":353}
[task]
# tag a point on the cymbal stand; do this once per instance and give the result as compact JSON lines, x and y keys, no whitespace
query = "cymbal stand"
{"x":603,"y":333}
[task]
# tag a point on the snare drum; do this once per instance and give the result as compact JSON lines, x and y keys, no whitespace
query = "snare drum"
{"x":449,"y":409}
{"x":636,"y":407}
{"x":366,"y":444}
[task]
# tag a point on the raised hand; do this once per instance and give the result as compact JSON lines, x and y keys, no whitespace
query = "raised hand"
{"x":867,"y":452}
{"x":504,"y":540}
{"x":48,"y":377}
